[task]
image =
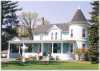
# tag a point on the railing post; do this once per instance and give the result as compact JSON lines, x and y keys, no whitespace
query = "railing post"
{"x":61,"y":47}
{"x":52,"y":48}
{"x":8,"y":55}
{"x":42,"y":48}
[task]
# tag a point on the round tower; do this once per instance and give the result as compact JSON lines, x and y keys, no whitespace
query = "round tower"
{"x":78,"y":29}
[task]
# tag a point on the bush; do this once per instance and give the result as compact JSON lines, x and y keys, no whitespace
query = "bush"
{"x":94,"y":60}
{"x":51,"y":58}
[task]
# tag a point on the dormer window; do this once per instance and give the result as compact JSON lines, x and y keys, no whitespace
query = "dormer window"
{"x":71,"y":32}
{"x":83,"y":33}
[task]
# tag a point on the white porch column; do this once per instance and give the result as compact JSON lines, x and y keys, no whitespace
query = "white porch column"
{"x":42,"y":48}
{"x":61,"y":36}
{"x":69,"y":47}
{"x":23,"y":53}
{"x":61,"y":47}
{"x":8,"y":55}
{"x":52,"y":48}
{"x":74,"y":47}
{"x":19,"y":49}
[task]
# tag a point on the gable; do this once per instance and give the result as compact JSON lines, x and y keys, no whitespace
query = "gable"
{"x":54,"y":27}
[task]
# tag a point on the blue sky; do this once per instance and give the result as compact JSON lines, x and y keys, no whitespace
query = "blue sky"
{"x":56,"y":11}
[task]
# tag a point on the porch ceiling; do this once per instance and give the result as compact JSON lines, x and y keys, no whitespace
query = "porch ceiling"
{"x":32,"y":41}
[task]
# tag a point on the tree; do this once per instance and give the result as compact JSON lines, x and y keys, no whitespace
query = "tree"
{"x":9,"y":21}
{"x":94,"y":33}
{"x":29,"y":19}
{"x":22,"y":31}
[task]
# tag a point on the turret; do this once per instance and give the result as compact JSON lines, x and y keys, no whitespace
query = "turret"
{"x":78,"y":29}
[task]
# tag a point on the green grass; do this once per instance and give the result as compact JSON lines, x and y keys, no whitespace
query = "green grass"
{"x":51,"y":66}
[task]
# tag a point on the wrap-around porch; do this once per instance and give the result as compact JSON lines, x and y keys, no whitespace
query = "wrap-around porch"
{"x":41,"y":48}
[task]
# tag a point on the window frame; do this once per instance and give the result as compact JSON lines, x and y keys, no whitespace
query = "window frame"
{"x":83,"y":33}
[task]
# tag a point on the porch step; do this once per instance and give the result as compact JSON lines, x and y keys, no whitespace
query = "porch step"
{"x":45,"y":58}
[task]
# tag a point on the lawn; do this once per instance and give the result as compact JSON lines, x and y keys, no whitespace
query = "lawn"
{"x":50,"y":66}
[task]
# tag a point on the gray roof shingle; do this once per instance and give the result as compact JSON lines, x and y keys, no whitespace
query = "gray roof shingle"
{"x":79,"y":17}
{"x":45,"y":28}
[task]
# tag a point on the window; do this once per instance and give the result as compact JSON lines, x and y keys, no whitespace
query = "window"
{"x":83,"y":45}
{"x":71,"y":32}
{"x":71,"y":47}
{"x":36,"y":47}
{"x":65,"y":47}
{"x":83,"y":33}
{"x":14,"y":48}
{"x":56,"y":48}
{"x":56,"y":36}
{"x":47,"y":49}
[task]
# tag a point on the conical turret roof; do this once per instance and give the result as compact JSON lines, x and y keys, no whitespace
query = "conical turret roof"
{"x":79,"y":17}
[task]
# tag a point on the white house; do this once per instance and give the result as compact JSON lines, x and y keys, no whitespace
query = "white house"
{"x":59,"y":40}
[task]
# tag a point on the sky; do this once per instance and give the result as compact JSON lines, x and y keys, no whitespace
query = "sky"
{"x":56,"y":11}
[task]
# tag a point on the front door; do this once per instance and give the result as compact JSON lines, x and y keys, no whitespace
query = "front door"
{"x":47,"y":49}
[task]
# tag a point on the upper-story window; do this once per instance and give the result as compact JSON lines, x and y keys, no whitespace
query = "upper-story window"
{"x":71,"y":32}
{"x":83,"y":33}
{"x":51,"y":35}
{"x":83,"y":45}
{"x":56,"y":36}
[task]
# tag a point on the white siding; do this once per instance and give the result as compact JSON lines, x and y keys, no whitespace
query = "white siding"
{"x":54,"y":30}
{"x":37,"y":37}
{"x":77,"y":32}
{"x":65,"y":37}
{"x":77,"y":35}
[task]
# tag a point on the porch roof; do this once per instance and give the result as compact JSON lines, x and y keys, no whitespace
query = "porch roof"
{"x":46,"y":41}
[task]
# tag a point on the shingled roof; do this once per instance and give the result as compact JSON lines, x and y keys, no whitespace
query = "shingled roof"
{"x":45,"y":28}
{"x":63,"y":27}
{"x":42,"y":28}
{"x":79,"y":17}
